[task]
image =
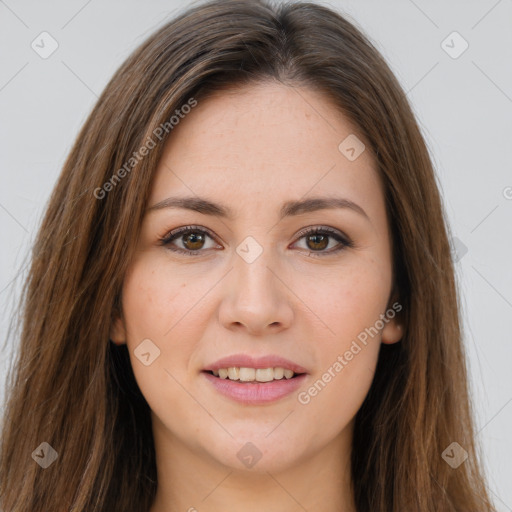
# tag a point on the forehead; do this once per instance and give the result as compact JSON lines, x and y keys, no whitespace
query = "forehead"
{"x":263,"y":143}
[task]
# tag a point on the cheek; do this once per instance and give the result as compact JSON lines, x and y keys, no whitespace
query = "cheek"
{"x":155,"y":306}
{"x":335,"y":396}
{"x":348,"y":355}
{"x":153,"y":301}
{"x":348,"y":302}
{"x":344,"y":375}
{"x":152,"y":304}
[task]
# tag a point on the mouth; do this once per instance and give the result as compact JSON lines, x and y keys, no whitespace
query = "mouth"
{"x":254,"y":375}
{"x":254,"y":380}
{"x":254,"y":386}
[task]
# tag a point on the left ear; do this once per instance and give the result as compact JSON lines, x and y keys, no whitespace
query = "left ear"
{"x":118,"y":331}
{"x":393,"y":328}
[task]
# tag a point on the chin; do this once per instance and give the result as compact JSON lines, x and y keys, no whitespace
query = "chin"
{"x":259,"y":454}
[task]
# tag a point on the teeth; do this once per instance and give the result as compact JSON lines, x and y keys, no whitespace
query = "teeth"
{"x":253,"y":374}
{"x":264,"y":374}
{"x":247,"y":374}
{"x":278,"y":373}
{"x":288,"y":374}
{"x":234,"y":373}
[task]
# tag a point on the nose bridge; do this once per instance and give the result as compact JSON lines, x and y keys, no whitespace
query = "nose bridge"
{"x":256,"y":297}
{"x":253,"y":279}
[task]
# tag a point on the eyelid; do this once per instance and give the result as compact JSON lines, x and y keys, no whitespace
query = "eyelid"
{"x":338,"y":235}
{"x":167,"y":238}
{"x":323,"y":229}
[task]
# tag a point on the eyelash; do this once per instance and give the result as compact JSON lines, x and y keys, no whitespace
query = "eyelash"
{"x":332,"y":233}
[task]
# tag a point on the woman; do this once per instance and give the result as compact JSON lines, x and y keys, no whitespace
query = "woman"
{"x":242,"y":294}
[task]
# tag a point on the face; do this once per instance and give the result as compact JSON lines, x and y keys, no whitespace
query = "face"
{"x":257,"y":285}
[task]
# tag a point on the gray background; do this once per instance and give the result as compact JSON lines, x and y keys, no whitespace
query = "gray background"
{"x":464,"y":106}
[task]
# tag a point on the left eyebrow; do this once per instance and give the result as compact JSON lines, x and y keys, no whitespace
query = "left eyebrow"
{"x":313,"y":204}
{"x":288,"y":209}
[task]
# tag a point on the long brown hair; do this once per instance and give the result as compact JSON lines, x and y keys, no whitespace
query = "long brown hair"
{"x":75,"y":390}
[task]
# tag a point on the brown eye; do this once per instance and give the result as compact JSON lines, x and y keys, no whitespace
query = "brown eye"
{"x":317,"y":240}
{"x":189,"y":240}
{"x":193,"y":241}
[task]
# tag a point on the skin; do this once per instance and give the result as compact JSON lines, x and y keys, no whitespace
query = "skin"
{"x":252,"y":149}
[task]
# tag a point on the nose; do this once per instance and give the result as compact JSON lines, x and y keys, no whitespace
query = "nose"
{"x":256,"y":298}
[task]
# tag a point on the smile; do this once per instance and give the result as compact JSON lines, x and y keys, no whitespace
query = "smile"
{"x":250,"y":390}
{"x":244,"y":374}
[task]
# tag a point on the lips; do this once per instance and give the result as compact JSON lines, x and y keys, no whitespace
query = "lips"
{"x":255,"y":380}
{"x":247,"y":361}
{"x":254,"y":393}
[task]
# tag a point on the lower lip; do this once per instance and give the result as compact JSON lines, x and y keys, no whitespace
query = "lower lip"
{"x":254,"y":393}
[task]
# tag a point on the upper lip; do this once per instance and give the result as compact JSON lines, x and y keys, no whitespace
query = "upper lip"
{"x":247,"y":361}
